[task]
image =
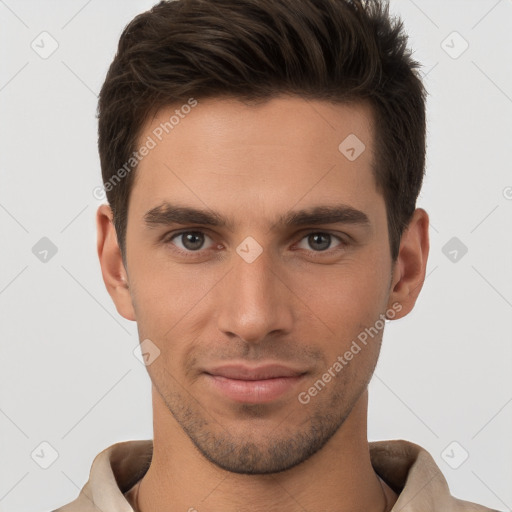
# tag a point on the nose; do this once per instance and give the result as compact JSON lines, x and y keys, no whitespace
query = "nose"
{"x":255,"y":300}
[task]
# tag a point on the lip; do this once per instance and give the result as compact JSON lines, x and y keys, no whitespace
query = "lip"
{"x":261,"y":372}
{"x":261,"y":384}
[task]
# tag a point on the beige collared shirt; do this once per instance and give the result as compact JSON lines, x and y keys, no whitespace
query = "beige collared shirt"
{"x":406,"y":467}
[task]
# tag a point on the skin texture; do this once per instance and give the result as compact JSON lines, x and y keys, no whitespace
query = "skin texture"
{"x":301,"y":303}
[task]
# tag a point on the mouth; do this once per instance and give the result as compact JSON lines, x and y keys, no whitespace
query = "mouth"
{"x":253,"y":385}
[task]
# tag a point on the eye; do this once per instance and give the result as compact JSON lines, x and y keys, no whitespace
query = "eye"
{"x":320,"y":241}
{"x":191,"y":241}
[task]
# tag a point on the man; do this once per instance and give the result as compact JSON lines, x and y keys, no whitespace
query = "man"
{"x":234,"y":136}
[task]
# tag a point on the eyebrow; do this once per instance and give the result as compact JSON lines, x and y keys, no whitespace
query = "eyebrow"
{"x":167,"y":213}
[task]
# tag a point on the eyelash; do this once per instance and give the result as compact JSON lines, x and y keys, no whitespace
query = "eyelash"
{"x":169,"y":237}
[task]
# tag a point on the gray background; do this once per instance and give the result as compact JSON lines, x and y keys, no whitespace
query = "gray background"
{"x":68,"y":373}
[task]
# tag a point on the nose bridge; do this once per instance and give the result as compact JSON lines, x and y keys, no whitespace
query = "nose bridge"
{"x":252,"y":272}
{"x":254,"y":304}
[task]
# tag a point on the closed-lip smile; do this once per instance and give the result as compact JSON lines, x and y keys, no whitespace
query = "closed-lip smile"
{"x":258,"y":384}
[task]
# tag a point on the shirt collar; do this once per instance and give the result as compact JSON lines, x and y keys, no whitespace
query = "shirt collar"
{"x":406,"y":467}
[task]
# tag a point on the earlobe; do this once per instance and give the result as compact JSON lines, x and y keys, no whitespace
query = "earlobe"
{"x":410,"y":267}
{"x":113,"y":271}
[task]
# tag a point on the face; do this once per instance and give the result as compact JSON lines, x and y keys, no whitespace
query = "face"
{"x":268,"y":285}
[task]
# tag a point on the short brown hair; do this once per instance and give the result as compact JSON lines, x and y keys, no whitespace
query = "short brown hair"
{"x":333,"y":50}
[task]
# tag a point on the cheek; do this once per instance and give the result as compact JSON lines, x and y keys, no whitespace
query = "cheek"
{"x":162,"y":289}
{"x":169,"y":302}
{"x":343,"y":299}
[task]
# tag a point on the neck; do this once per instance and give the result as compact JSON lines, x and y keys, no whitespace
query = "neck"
{"x":339,"y":476}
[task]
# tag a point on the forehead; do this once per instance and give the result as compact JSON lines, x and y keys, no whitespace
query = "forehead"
{"x":286,"y":120}
{"x":264,"y":158}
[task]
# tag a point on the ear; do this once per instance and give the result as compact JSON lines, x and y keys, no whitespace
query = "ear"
{"x":410,"y":266}
{"x":114,"y":273}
